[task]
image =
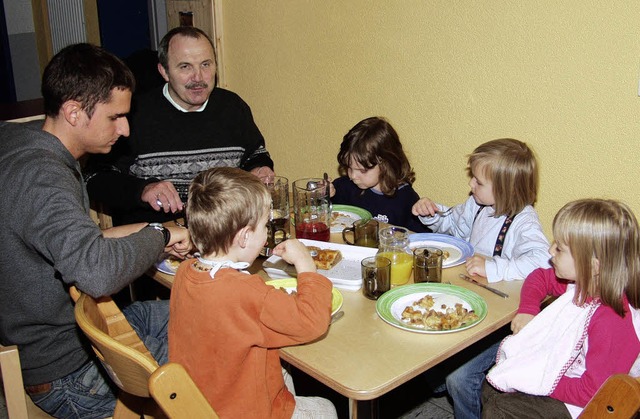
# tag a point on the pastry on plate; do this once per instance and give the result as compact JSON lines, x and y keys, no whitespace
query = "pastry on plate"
{"x":325,"y":258}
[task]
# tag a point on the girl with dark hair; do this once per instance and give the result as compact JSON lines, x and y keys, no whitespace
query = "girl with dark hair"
{"x":376,"y":174}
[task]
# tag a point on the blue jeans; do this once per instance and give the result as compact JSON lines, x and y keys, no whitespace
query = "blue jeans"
{"x":88,"y":392}
{"x":464,"y":384}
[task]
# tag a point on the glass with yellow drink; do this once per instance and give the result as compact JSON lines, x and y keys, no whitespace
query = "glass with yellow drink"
{"x":394,"y":245}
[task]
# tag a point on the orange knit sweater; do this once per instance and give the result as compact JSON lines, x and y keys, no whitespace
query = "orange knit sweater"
{"x":226,"y":332}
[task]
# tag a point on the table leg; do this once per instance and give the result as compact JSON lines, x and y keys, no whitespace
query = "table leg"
{"x":360,"y":409}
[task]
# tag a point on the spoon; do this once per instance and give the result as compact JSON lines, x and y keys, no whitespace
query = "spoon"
{"x":337,"y":316}
{"x":326,"y":182}
{"x":311,"y":185}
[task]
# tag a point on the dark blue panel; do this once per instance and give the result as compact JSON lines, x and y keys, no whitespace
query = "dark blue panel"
{"x":124,"y":26}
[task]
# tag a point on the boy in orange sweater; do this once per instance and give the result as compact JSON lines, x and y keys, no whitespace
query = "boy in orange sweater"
{"x":225,"y":326}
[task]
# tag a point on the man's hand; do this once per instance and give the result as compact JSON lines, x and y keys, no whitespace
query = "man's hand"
{"x":180,"y":242}
{"x":162,"y":196}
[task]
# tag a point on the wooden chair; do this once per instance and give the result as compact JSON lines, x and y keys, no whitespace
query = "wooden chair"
{"x":618,"y":398}
{"x":131,"y":366}
{"x":100,"y":216}
{"x":28,"y":119}
{"x":176,"y":393}
{"x":19,"y":405}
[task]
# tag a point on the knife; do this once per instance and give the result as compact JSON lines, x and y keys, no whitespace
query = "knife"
{"x":493,"y":290}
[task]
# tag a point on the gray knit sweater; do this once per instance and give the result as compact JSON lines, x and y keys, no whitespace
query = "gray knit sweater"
{"x":49,"y":243}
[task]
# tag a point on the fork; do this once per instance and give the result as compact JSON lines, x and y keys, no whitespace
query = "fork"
{"x":445,"y":213}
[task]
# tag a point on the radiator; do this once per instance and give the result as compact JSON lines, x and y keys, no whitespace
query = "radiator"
{"x":66,"y":18}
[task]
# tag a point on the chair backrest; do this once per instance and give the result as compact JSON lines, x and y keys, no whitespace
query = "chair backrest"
{"x":132,"y":367}
{"x":117,"y":345}
{"x":177,"y":395}
{"x":12,"y":381}
{"x":28,"y":119}
{"x":619,"y":397}
{"x":19,"y":405}
{"x":100,"y":215}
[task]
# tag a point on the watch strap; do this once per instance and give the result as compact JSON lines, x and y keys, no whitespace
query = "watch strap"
{"x":166,"y":234}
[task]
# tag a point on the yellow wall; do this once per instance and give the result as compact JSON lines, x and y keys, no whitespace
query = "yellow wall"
{"x":449,"y":75}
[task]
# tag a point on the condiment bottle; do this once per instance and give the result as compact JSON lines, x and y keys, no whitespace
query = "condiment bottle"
{"x":394,"y":245}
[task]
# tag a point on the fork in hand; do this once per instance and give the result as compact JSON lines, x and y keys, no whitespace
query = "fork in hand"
{"x":445,"y":213}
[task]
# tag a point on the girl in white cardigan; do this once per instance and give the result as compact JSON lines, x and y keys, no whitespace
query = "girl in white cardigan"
{"x":498,"y":219}
{"x":500,"y":222}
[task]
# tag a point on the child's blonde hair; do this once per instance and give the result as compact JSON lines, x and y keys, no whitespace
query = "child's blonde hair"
{"x":605,"y":231}
{"x":221,"y":202}
{"x":512,"y":168}
{"x":371,"y":142}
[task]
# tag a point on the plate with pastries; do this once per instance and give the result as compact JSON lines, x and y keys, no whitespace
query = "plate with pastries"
{"x":168,"y":265}
{"x":338,"y":262}
{"x":431,"y":308}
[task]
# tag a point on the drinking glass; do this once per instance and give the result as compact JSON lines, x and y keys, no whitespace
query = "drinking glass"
{"x":427,"y":264}
{"x":278,"y":229}
{"x":376,"y":276}
{"x":365,"y":233}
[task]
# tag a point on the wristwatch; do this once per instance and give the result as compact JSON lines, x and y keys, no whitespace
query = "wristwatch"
{"x":165,"y":232}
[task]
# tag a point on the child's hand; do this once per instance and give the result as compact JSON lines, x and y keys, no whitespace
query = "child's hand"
{"x":332,"y":189}
{"x":424,"y":207}
{"x":519,"y":321}
{"x":475,"y":265}
{"x":296,"y":253}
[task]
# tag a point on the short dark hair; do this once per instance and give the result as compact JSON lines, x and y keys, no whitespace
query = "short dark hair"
{"x":371,"y":142}
{"x":85,"y":73}
{"x":186,"y":31}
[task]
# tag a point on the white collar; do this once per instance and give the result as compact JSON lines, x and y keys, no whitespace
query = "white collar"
{"x":165,"y":92}
{"x":216,"y":265}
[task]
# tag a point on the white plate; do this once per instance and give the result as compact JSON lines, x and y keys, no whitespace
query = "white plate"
{"x":345,"y":275}
{"x":168,"y":265}
{"x":459,"y":250}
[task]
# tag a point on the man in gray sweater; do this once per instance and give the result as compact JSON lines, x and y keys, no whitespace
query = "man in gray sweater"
{"x":51,"y":242}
